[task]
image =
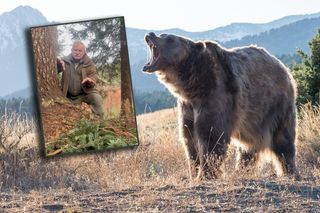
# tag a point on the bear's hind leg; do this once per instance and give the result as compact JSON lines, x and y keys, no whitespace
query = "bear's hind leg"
{"x":246,"y":159}
{"x":283,"y":148}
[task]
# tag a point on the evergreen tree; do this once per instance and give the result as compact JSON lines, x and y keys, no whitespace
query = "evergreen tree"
{"x":44,"y":42}
{"x":307,"y":73}
{"x":104,"y":40}
{"x":108,"y":46}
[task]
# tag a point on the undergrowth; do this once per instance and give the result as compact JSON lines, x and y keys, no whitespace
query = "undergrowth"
{"x":92,"y":136}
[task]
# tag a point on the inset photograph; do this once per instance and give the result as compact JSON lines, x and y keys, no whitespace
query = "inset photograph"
{"x":84,"y":88}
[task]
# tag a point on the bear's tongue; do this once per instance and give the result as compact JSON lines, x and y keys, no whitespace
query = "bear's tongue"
{"x":154,"y":54}
{"x":150,"y":66}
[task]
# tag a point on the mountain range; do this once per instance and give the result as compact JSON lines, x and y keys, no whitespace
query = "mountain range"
{"x":14,"y":60}
{"x":23,"y":93}
{"x":281,"y":36}
{"x":283,"y":40}
{"x":295,"y":32}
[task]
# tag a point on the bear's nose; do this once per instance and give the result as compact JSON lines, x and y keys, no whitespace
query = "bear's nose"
{"x":150,"y":37}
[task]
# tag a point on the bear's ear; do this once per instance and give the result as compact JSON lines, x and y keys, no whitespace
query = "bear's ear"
{"x":216,"y":49}
{"x":199,"y":46}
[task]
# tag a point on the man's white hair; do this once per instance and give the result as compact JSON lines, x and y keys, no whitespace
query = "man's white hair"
{"x":78,"y":43}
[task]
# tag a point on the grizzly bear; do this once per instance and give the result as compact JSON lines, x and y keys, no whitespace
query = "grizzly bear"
{"x":242,"y":93}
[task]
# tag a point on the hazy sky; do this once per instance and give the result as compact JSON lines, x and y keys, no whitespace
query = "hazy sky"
{"x":189,"y":15}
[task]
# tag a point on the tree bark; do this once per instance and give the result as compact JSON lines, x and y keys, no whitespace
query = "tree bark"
{"x":126,"y":88}
{"x":44,"y":41}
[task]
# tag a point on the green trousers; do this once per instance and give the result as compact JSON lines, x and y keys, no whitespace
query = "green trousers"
{"x":93,"y":99}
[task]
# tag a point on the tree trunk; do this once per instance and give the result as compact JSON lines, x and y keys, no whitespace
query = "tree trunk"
{"x":126,"y":90}
{"x":44,"y":41}
{"x":58,"y":115}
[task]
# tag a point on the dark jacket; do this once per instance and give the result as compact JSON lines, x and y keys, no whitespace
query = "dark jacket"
{"x":88,"y":69}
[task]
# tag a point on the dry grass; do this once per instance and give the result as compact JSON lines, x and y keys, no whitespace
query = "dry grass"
{"x":154,"y":177}
{"x":157,"y":160}
{"x":309,"y":137}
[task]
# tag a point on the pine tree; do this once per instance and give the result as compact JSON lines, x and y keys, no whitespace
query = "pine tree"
{"x":307,"y":73}
{"x":126,"y":90}
{"x":44,"y":41}
{"x":108,"y":45}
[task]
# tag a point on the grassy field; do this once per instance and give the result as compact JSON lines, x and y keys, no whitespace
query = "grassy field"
{"x":154,"y":176}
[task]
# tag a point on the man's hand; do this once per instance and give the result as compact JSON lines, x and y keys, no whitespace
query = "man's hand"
{"x":61,"y":64}
{"x":88,"y":82}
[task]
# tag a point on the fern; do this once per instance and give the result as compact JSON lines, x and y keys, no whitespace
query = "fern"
{"x":88,"y":136}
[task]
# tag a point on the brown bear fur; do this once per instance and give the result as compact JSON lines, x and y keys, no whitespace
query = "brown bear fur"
{"x":241,"y":93}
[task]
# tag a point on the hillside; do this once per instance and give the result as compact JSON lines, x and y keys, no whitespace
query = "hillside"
{"x":14,"y":51}
{"x":283,"y":40}
{"x":24,"y":93}
{"x":222,"y":34}
{"x":154,"y":178}
{"x":14,"y":60}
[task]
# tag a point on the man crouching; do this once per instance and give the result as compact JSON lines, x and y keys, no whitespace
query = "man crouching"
{"x":79,"y":78}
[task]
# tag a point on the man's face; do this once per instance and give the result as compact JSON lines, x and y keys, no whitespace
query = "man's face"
{"x":77,"y":51}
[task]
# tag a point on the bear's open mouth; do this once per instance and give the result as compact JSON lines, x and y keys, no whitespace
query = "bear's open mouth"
{"x":150,"y":66}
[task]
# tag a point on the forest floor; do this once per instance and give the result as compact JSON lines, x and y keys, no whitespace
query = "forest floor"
{"x":61,"y":118}
{"x":65,"y":126}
